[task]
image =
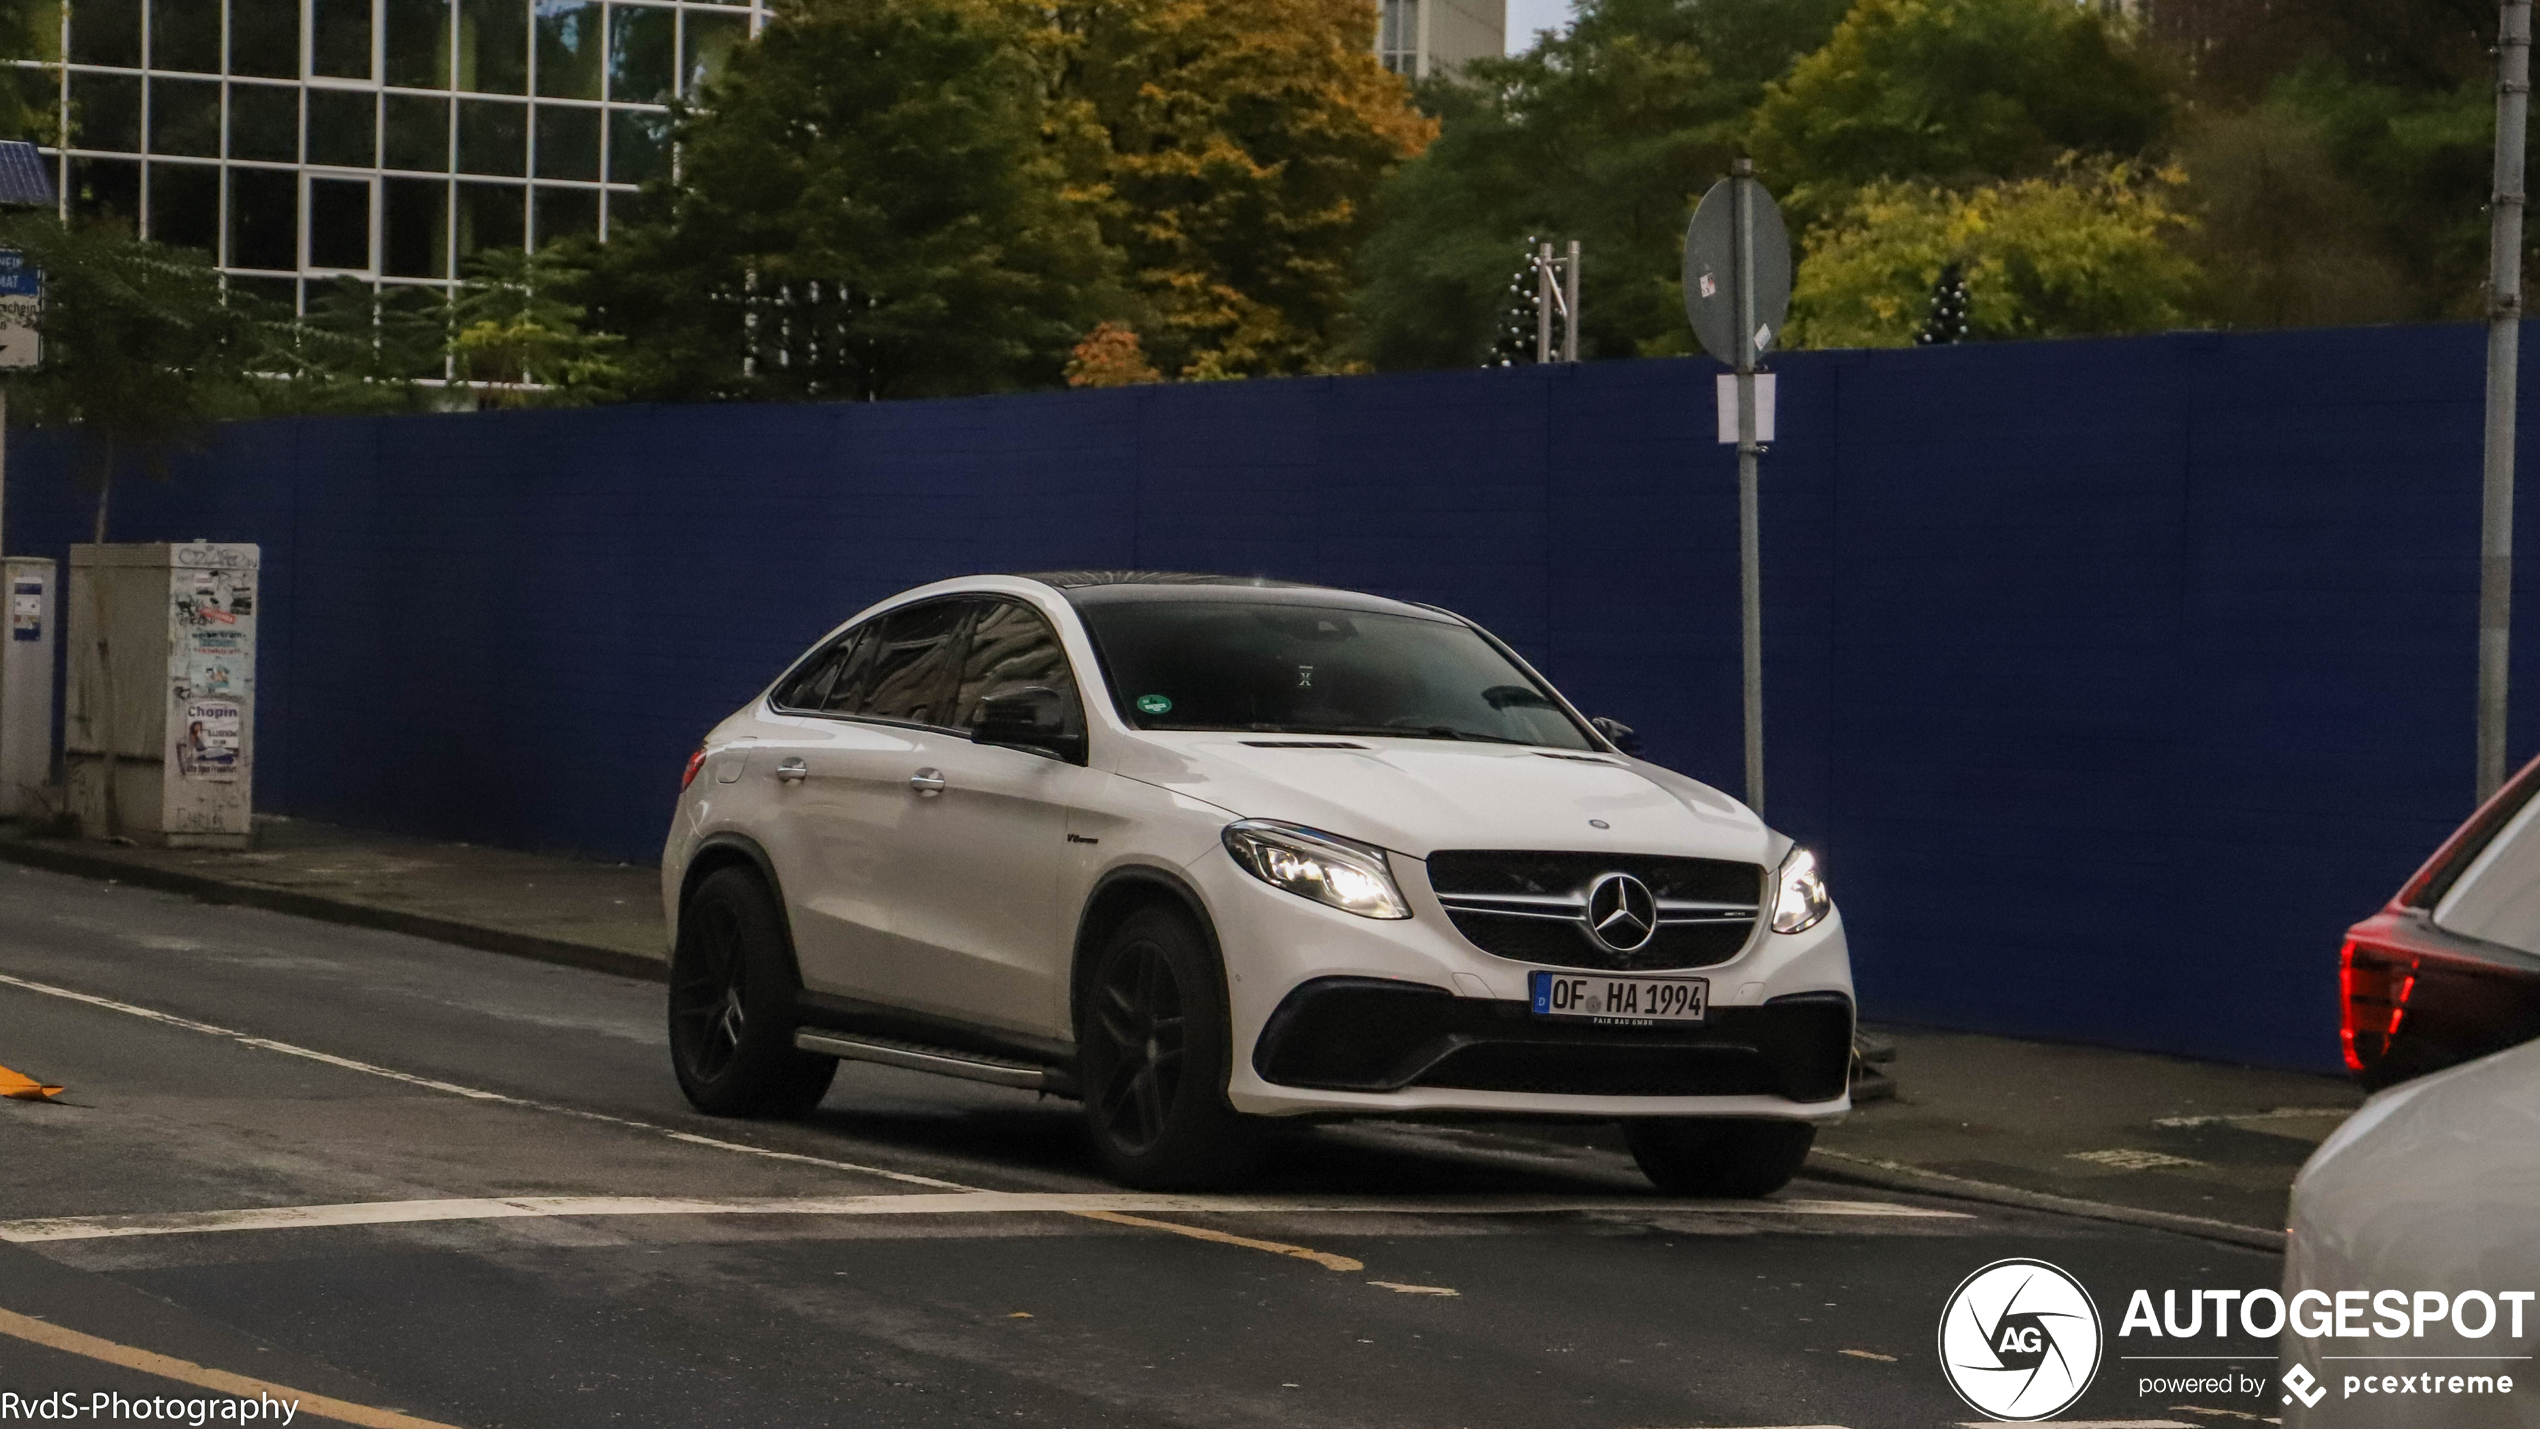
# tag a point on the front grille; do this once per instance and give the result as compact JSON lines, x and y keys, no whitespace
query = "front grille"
{"x":1532,"y":906}
{"x":1369,"y":1035}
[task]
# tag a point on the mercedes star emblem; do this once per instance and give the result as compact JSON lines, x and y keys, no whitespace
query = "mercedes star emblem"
{"x":1621,"y":912}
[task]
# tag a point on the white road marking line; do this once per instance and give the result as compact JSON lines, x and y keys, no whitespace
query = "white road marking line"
{"x":1401,"y":1289}
{"x":472,"y":1093}
{"x":2282,"y":1113}
{"x":904,"y":1203}
{"x":2088,"y":1424}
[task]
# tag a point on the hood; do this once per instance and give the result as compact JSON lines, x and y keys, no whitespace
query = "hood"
{"x":1415,"y":796}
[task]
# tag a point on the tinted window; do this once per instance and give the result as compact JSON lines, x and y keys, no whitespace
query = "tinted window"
{"x":1311,"y":670}
{"x":913,"y":672}
{"x":817,"y":685}
{"x":1011,"y":649}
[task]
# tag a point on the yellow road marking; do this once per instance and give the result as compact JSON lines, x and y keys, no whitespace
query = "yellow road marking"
{"x":54,"y":1337}
{"x":1322,"y":1258}
{"x":25,"y":1088}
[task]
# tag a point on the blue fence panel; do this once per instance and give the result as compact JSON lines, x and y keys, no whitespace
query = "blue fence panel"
{"x":2113,"y":678}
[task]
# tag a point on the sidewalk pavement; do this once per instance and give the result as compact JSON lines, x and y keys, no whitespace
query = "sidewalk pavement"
{"x":2195,"y":1146}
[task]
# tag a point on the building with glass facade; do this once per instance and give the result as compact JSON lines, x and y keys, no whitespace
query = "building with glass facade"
{"x":302,"y":142}
{"x":1420,"y":38}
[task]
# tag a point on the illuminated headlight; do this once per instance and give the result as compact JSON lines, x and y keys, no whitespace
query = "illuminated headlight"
{"x":1800,"y":900}
{"x":1349,"y":876}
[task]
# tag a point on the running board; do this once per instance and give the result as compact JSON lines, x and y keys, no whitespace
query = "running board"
{"x":969,"y":1066}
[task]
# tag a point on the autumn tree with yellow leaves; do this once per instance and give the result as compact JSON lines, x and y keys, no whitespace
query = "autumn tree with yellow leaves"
{"x":1234,"y":146}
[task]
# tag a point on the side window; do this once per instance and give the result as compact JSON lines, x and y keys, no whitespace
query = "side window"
{"x":1012,"y":649}
{"x":913,"y":669}
{"x":810,"y":684}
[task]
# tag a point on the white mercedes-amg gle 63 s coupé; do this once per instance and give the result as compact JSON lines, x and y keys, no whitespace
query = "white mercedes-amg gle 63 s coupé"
{"x":1205,"y":853}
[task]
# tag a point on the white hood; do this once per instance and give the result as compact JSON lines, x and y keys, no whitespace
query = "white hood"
{"x":1415,"y":796}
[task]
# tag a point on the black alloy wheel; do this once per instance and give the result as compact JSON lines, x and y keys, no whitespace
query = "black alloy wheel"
{"x":1153,"y":1043}
{"x":732,"y":989}
{"x":707,"y":1015}
{"x":1138,"y":1014}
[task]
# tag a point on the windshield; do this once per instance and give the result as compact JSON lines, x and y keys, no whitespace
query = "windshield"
{"x":1291,"y":669}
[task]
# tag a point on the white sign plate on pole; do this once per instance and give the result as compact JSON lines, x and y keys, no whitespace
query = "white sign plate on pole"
{"x":1725,"y":385}
{"x":20,"y":347}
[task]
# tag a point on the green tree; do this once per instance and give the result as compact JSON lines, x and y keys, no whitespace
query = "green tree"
{"x":1607,"y":133}
{"x":142,"y":350}
{"x":1234,"y":148}
{"x":515,"y":327}
{"x":2085,"y":250}
{"x":2285,"y":239}
{"x":866,"y":207}
{"x":1956,"y":92}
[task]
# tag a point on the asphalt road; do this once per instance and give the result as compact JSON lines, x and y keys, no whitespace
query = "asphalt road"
{"x":519,"y":1222}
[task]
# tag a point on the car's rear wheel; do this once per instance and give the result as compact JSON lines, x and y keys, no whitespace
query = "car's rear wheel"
{"x":732,"y":989}
{"x":1687,"y":1156}
{"x":1154,"y":1048}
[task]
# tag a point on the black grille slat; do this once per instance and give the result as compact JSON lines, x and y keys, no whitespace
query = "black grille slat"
{"x":1552,"y":943}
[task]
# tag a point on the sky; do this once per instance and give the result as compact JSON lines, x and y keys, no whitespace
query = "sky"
{"x":1527,"y":16}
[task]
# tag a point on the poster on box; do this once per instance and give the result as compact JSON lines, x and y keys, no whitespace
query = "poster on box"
{"x":209,"y":742}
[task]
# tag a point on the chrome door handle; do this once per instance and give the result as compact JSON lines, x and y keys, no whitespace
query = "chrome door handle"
{"x":789,"y":771}
{"x":927,"y":782}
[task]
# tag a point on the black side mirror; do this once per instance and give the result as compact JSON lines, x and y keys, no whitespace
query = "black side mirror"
{"x":1035,"y":717}
{"x":1617,"y":734}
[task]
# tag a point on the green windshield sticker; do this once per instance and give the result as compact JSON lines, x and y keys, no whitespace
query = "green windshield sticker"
{"x":1154,"y":704}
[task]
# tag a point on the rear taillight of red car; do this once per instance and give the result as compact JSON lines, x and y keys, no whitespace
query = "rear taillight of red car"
{"x":2373,"y":982}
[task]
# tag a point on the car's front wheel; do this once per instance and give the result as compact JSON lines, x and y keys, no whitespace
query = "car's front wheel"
{"x":1154,"y":1049}
{"x":1688,"y":1156}
{"x":732,"y":1005}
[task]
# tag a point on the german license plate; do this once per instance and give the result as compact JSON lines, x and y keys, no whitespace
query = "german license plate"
{"x":1592,"y":997}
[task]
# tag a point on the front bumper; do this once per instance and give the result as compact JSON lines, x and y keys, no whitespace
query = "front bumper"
{"x":1334,"y":1014}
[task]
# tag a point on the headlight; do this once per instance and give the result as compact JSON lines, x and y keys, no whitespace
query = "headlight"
{"x":1328,"y":869}
{"x":1800,"y":900}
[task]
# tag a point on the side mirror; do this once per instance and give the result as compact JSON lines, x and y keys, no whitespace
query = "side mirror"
{"x":1617,"y":734}
{"x":1035,"y":718}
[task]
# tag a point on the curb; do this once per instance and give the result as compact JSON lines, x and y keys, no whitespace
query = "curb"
{"x":1897,"y":1176}
{"x":335,"y":910}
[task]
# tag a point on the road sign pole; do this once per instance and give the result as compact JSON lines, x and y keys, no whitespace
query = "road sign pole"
{"x":1543,"y":303}
{"x":1750,"y":534}
{"x":2504,"y":360}
{"x":1570,"y":306}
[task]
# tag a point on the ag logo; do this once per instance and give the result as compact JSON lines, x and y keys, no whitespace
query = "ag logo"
{"x":2019,"y":1339}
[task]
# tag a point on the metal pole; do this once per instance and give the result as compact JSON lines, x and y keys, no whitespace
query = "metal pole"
{"x":2504,"y":357}
{"x":1570,"y":306}
{"x":1543,"y":304}
{"x":4,"y":473}
{"x":1749,"y":520}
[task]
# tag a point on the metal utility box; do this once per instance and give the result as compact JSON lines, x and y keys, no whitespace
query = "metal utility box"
{"x":158,"y":743}
{"x":26,"y":686}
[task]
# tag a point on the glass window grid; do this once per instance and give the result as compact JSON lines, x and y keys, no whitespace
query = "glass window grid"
{"x":306,"y":276}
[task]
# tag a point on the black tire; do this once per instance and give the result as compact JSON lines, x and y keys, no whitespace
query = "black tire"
{"x":732,"y":987}
{"x":1686,"y":1156}
{"x":1153,"y":1049}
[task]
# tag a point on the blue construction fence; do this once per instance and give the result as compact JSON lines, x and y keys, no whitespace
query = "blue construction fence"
{"x":2112,"y":678}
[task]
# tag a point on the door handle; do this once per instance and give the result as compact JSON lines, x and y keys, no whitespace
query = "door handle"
{"x":789,"y":771}
{"x":927,"y":782}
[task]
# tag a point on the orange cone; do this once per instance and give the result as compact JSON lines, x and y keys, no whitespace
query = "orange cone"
{"x":25,"y":1088}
